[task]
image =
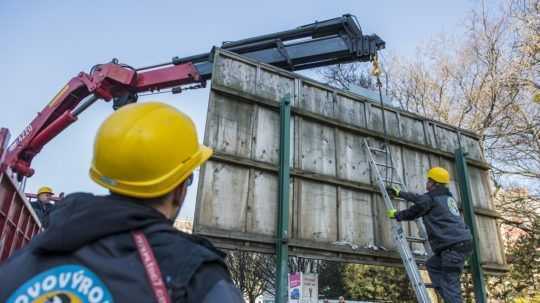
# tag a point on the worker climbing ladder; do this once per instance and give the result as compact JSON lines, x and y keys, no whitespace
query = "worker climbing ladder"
{"x":393,"y":177}
{"x":398,"y":234}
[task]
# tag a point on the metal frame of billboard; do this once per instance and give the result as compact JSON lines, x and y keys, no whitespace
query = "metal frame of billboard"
{"x":237,"y":188}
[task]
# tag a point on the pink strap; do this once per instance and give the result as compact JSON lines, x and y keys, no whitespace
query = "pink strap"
{"x":151,"y":267}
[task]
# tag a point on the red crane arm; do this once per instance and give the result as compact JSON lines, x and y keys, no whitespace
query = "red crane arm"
{"x":106,"y":81}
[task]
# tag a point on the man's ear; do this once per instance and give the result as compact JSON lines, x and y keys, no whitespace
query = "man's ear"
{"x":178,"y":194}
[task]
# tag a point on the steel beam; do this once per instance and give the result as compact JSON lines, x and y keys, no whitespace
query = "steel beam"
{"x":333,"y":41}
{"x":282,"y":236}
{"x":462,"y":174}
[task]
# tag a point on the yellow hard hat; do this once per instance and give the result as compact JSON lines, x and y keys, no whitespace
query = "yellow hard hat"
{"x":45,"y":190}
{"x":439,"y":175}
{"x":536,"y":98}
{"x":145,"y":150}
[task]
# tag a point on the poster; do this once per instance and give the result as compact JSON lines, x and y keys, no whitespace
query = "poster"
{"x":303,"y":288}
{"x":295,"y":283}
{"x":310,"y":289}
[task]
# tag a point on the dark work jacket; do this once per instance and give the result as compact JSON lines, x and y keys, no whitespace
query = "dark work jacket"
{"x":88,"y":253}
{"x":440,"y":213}
{"x":43,"y":211}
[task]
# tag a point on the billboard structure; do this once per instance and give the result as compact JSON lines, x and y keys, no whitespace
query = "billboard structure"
{"x":336,"y":211}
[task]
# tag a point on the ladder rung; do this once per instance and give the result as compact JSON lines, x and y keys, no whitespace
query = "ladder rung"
{"x":415,"y":239}
{"x":385,"y":165}
{"x":392,"y":182}
{"x":379,"y":150}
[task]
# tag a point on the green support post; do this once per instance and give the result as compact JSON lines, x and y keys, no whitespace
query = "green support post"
{"x":282,"y":236}
{"x":468,"y":211}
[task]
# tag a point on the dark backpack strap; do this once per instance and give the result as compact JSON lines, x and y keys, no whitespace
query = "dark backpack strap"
{"x":151,"y":266}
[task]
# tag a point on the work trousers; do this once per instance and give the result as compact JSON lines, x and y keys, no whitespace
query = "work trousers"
{"x":445,"y":269}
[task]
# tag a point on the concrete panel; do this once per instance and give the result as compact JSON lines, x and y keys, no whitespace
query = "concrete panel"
{"x":235,"y":74}
{"x":229,"y":126}
{"x":273,"y":86}
{"x":350,"y":111}
{"x":454,"y":186}
{"x":383,"y":226}
{"x":262,"y":206}
{"x":356,"y":218}
{"x":317,"y":148}
{"x":447,"y":139}
{"x":490,"y":247}
{"x":416,"y":165}
{"x":472,"y":147}
{"x":318,"y":212}
{"x":412,"y":130}
{"x":352,"y":160}
{"x":316,"y":100}
{"x":229,"y":183}
{"x":266,"y":138}
{"x":375,"y":120}
{"x":480,"y":188}
{"x":431,"y":139}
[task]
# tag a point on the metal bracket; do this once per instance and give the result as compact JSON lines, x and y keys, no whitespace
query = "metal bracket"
{"x":283,"y":51}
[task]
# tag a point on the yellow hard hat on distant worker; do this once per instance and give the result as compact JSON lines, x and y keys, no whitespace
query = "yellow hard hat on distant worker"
{"x":45,"y":190}
{"x":536,"y":98}
{"x":145,"y":150}
{"x":439,"y":175}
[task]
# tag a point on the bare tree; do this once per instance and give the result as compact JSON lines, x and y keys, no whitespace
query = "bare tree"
{"x":343,"y":75}
{"x":255,"y":273}
{"x":525,"y":15}
{"x":485,"y":81}
{"x":252,"y":273}
{"x":521,"y":230}
{"x":482,"y":82}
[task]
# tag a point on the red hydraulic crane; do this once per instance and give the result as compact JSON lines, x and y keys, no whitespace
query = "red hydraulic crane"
{"x":333,"y":41}
{"x":105,"y":81}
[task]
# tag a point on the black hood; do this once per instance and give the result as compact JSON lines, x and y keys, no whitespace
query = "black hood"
{"x":83,"y":218}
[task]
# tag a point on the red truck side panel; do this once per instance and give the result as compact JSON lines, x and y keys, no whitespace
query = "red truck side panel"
{"x":18,"y":222}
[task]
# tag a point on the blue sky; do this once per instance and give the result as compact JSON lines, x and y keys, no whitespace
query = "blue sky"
{"x":45,"y":43}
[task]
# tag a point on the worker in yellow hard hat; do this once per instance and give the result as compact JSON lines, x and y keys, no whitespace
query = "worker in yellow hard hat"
{"x":448,"y":235}
{"x":45,"y":194}
{"x":43,"y":205}
{"x":123,"y":246}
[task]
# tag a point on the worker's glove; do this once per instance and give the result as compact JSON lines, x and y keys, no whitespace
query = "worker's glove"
{"x":393,"y":190}
{"x":391,"y":213}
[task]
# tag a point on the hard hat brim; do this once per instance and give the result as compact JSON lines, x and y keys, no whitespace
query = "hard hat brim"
{"x":157,"y":187}
{"x":439,"y":181}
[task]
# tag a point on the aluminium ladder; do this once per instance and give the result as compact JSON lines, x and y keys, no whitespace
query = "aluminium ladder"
{"x":401,"y":240}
